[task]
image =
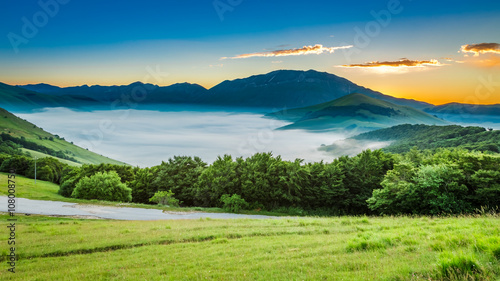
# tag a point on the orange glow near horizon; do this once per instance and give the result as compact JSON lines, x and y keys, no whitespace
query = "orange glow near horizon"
{"x":462,"y":83}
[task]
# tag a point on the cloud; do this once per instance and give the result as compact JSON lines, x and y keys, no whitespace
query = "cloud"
{"x":397,"y":64}
{"x":481,"y":48}
{"x":306,"y":50}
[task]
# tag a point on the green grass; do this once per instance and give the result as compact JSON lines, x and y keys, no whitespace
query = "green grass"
{"x":348,"y":248}
{"x":43,"y":155}
{"x":399,"y":248}
{"x":17,"y":127}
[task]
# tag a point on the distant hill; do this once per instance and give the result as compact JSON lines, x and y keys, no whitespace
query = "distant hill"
{"x":354,"y":112}
{"x":277,"y":89}
{"x":144,"y":93}
{"x":17,"y":98}
{"x":21,"y":132}
{"x":402,"y":138}
{"x":460,"y":108}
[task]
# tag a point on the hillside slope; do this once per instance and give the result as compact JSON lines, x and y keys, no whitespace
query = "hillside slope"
{"x":17,"y":98}
{"x":404,"y":137}
{"x":460,"y":108}
{"x":354,"y":112}
{"x":25,"y":131}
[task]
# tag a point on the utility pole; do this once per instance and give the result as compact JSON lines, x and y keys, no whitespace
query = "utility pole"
{"x":35,"y":170}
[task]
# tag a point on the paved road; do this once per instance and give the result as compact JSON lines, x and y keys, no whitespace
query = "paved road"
{"x":57,"y":208}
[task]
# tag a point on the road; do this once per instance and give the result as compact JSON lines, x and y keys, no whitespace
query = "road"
{"x":57,"y":208}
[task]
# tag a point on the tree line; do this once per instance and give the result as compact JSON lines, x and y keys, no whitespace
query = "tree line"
{"x":445,"y":181}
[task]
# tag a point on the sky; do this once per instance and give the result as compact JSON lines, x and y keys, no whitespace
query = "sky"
{"x":434,"y":51}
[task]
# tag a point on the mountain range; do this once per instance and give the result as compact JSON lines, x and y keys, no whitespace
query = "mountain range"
{"x":12,"y":97}
{"x":277,"y":90}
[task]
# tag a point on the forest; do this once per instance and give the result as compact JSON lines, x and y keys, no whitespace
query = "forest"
{"x":438,"y":182}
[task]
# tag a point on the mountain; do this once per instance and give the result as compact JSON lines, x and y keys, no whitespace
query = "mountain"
{"x":293,"y":89}
{"x":15,"y":132}
{"x":136,"y":92}
{"x":277,"y":89}
{"x":461,"y":108}
{"x":12,"y":97}
{"x":354,"y":112}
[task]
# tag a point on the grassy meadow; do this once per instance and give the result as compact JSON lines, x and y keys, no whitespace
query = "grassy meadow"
{"x":306,"y":248}
{"x":341,"y":248}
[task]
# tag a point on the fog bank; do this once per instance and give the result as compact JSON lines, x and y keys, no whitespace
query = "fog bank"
{"x":146,"y":137}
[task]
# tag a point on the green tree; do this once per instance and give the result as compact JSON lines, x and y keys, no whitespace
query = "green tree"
{"x":103,"y":186}
{"x":233,"y":203}
{"x":363,"y":173}
{"x":222,"y":177}
{"x":180,"y":175}
{"x":69,"y":181}
{"x":487,"y":188}
{"x":142,"y":187}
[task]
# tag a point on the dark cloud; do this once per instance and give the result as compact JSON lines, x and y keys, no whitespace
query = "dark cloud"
{"x":481,"y":48}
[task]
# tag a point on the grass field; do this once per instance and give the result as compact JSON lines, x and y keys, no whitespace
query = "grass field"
{"x":39,"y":155}
{"x":339,"y":248}
{"x":344,"y":248}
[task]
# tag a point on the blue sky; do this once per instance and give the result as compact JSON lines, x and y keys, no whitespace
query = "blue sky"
{"x":105,"y":42}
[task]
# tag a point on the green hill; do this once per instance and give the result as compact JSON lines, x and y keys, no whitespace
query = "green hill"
{"x":354,"y":112}
{"x":405,"y":137}
{"x":29,"y":136}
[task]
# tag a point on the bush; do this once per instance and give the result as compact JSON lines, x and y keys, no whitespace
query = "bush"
{"x":71,"y":178}
{"x":103,"y":186}
{"x":233,"y":203}
{"x":165,"y":198}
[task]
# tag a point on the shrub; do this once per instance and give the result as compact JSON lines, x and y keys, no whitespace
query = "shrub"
{"x":165,"y":198}
{"x":233,"y":203}
{"x":103,"y":186}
